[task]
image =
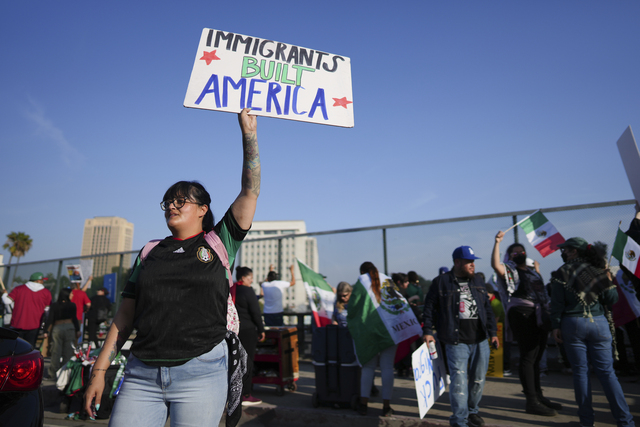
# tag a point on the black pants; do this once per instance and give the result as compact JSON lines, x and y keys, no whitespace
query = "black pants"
{"x":29,"y":335}
{"x":532,"y":341}
{"x":249,"y":339}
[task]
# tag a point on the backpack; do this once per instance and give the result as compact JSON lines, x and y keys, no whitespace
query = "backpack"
{"x":233,"y":323}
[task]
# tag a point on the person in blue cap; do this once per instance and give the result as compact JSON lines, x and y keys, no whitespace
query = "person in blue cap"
{"x":458,"y":308}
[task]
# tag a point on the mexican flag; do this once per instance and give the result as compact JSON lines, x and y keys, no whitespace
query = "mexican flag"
{"x":541,"y":233}
{"x":320,"y":293}
{"x":626,"y":250}
{"x":375,"y":325}
{"x":627,"y":308}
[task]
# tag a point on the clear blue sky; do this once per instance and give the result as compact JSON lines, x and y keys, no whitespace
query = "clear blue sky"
{"x":461,"y":108}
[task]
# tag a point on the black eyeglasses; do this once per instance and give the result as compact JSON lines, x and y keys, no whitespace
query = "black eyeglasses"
{"x":177,"y":203}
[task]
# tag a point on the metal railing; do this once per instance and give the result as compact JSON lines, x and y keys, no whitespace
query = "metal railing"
{"x":422,"y":246}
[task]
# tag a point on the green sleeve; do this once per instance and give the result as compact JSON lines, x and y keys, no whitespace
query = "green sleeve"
{"x":231,"y":234}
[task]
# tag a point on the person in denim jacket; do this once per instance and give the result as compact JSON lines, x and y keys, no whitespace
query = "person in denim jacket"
{"x":458,"y":308}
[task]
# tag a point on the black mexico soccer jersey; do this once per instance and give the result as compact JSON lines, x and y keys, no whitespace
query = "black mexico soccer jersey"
{"x":181,"y":292}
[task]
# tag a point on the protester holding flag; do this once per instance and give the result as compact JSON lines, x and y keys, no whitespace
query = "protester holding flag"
{"x":379,"y":319}
{"x":528,"y":315}
{"x":458,"y":308}
{"x":581,"y":290}
{"x":626,"y":312}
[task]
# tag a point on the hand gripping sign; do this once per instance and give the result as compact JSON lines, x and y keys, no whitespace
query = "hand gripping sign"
{"x":430,"y":377}
{"x":233,"y":71}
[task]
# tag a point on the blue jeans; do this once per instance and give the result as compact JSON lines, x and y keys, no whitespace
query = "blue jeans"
{"x":385,"y":358}
{"x":590,"y":342}
{"x":193,"y":394}
{"x":465,"y":390}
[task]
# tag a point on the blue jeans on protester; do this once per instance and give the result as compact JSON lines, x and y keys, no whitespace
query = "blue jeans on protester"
{"x":465,"y":390}
{"x":193,"y":394}
{"x":590,"y":342}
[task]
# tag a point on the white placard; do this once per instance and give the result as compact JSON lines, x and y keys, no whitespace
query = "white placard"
{"x":430,"y":377}
{"x":631,"y":160}
{"x":233,"y":71}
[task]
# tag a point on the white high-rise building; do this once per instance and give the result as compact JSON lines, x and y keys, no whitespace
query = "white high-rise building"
{"x":281,"y":253}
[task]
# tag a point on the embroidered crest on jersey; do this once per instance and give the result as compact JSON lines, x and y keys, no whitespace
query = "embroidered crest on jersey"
{"x":204,"y":254}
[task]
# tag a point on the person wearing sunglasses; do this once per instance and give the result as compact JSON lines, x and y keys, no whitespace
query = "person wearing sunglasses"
{"x":177,"y":299}
{"x":528,"y":319}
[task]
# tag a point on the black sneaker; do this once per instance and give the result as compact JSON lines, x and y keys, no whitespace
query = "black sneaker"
{"x":538,"y":408}
{"x":549,"y":404}
{"x":387,"y":411}
{"x":475,"y":420}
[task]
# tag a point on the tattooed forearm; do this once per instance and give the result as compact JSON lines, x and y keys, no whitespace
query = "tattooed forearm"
{"x":115,"y":348}
{"x":251,"y":166}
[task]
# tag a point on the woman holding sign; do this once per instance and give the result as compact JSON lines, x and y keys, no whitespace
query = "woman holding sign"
{"x":177,"y":298}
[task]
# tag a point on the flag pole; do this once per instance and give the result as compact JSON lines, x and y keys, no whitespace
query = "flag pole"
{"x":611,"y":256}
{"x":520,"y":222}
{"x":5,"y":289}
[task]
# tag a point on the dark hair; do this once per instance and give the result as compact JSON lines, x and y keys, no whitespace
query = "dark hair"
{"x":399,"y":277}
{"x":368,"y":267}
{"x":413,"y":277}
{"x":242,"y":272}
{"x":64,"y":294}
{"x":272,"y":276}
{"x":595,"y":254}
{"x":512,"y":247}
{"x":195,"y":191}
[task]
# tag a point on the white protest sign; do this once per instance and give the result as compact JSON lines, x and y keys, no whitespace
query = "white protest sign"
{"x":430,"y":377}
{"x":631,"y":160}
{"x":233,"y":71}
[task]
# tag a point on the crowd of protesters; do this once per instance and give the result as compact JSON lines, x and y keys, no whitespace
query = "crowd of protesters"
{"x":459,"y":309}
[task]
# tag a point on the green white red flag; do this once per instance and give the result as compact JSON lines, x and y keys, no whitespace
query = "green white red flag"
{"x":320,"y":293}
{"x":627,"y":309}
{"x":626,"y":250}
{"x":375,"y":325}
{"x":541,"y":233}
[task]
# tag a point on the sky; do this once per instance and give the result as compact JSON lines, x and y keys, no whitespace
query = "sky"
{"x":461,"y":108}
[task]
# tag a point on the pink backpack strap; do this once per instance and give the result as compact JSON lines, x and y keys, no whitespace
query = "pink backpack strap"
{"x":212,"y":238}
{"x":147,"y":248}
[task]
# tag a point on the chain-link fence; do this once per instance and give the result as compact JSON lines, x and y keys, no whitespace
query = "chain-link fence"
{"x":421,"y":246}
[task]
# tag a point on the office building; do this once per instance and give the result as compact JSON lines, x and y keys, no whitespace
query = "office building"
{"x":107,"y":234}
{"x":281,"y":253}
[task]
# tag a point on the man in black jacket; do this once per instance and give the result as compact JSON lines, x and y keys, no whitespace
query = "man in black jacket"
{"x":458,"y":308}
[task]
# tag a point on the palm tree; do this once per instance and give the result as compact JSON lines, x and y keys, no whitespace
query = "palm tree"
{"x":18,"y":244}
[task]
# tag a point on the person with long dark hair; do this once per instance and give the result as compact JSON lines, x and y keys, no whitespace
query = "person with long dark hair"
{"x":581,"y":292}
{"x":183,"y":360}
{"x":251,"y":327}
{"x":384,"y":358}
{"x":528,"y":316}
{"x":65,"y":331}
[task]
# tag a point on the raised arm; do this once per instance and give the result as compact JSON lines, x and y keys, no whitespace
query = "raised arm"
{"x":119,"y":332}
{"x":244,"y":207}
{"x":87,"y":284}
{"x":293,"y":277}
{"x":495,"y":255}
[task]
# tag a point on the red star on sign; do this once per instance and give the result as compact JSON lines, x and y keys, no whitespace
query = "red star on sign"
{"x":210,"y":56}
{"x":341,"y":102}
